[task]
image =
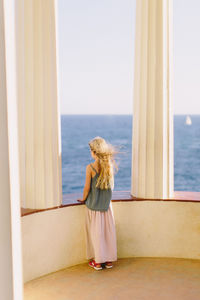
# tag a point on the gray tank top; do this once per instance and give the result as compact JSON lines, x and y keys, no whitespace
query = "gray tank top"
{"x":97,"y":198}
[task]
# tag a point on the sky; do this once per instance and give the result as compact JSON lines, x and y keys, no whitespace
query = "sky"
{"x":96,"y":56}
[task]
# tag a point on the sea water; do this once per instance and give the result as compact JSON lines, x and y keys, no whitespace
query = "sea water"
{"x":78,"y":130}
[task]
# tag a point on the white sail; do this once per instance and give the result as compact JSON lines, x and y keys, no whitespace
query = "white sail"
{"x":188,"y":121}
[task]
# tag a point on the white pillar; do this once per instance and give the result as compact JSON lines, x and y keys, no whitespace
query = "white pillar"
{"x":11,"y":281}
{"x":39,"y":115}
{"x":152,"y":156}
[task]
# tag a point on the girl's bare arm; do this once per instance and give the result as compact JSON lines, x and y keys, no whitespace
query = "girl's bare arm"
{"x":87,"y":184}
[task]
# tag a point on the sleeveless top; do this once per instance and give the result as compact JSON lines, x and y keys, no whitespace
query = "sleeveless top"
{"x":98,"y":199}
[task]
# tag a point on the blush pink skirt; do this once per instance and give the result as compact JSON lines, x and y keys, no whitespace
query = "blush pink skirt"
{"x":100,"y":235}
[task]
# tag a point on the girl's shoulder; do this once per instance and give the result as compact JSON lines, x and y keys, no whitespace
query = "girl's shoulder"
{"x":88,"y":167}
{"x":93,"y":168}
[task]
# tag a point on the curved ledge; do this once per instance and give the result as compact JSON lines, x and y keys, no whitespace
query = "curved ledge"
{"x":55,"y":239}
{"x":118,"y":196}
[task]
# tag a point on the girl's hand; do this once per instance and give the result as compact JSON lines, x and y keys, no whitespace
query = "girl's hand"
{"x":81,"y":200}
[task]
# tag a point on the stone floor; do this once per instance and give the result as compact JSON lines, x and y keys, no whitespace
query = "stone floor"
{"x":130,"y":278}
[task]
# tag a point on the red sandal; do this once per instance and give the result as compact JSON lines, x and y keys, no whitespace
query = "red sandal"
{"x":94,"y":265}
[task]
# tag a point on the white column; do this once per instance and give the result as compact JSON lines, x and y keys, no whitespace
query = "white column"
{"x":39,"y":115}
{"x":152,"y":144}
{"x":11,"y":281}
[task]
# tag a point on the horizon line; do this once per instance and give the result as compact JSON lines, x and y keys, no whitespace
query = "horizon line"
{"x":179,"y":114}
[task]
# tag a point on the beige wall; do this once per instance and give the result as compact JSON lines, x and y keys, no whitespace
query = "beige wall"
{"x":54,"y":239}
{"x":158,"y":229}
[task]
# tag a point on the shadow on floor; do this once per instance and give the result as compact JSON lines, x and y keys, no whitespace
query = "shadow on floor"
{"x":130,"y":278}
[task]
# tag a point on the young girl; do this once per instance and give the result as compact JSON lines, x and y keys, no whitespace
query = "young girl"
{"x":100,"y":225}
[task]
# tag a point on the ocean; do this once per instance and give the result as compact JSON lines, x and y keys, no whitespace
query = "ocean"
{"x":77,"y":130}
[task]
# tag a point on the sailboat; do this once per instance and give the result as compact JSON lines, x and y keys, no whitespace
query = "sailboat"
{"x":188,"y":121}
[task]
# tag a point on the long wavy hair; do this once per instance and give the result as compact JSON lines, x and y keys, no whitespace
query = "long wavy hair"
{"x":105,"y":153}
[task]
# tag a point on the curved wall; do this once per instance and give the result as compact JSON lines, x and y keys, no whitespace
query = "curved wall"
{"x":54,"y":239}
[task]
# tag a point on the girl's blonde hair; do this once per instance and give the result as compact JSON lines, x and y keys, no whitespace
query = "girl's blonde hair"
{"x":105,"y":153}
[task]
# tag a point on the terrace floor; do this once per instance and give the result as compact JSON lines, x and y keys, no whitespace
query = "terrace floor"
{"x":130,"y":278}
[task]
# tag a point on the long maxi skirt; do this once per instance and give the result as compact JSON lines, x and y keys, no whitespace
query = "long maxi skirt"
{"x":100,"y":233}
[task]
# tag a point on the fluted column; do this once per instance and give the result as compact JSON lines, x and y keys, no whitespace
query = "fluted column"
{"x":39,"y":115}
{"x":152,"y":146}
{"x":11,"y":281}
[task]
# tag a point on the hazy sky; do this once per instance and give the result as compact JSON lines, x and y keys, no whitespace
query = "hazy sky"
{"x":96,"y":56}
